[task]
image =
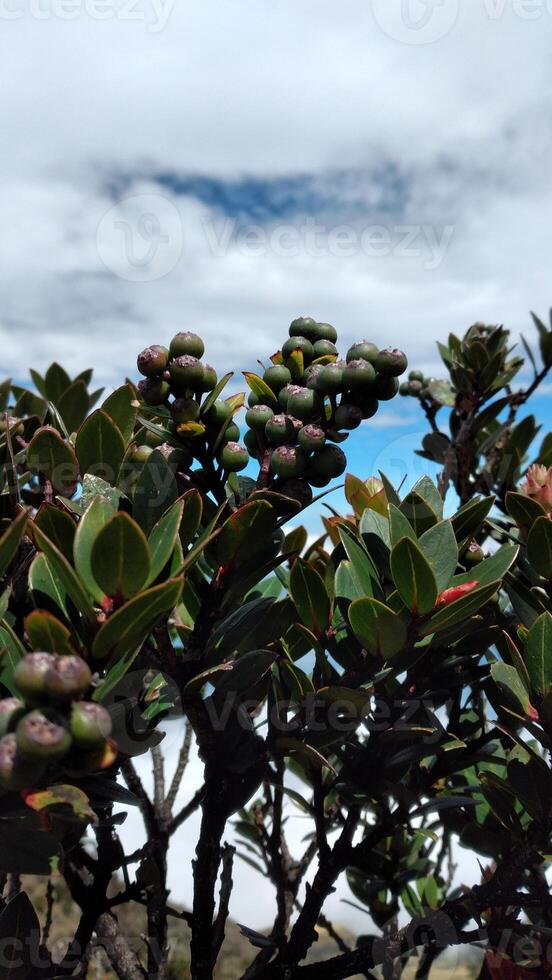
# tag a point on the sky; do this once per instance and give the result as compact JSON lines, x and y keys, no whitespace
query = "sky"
{"x":225,"y":166}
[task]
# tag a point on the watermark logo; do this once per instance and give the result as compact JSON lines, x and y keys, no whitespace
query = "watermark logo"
{"x":140,"y":238}
{"x":154,"y":14}
{"x":416,"y":21}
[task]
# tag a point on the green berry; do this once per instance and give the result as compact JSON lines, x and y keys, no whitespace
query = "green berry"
{"x":218,"y":414}
{"x":404,"y":389}
{"x":279,"y":430}
{"x":208,"y":379}
{"x":359,"y":375}
{"x":301,"y":344}
{"x":330,"y":379}
{"x":257,"y":417}
{"x":141,"y":455}
{"x":186,"y":372}
{"x":277,"y":377}
{"x":297,"y":490}
{"x":364,"y":350}
{"x":285,"y":393}
{"x":311,"y":438}
{"x":414,"y":387}
{"x":15,"y":773}
{"x":152,"y":361}
{"x":288,"y":462}
{"x":90,"y":724}
{"x":251,"y":443}
{"x":179,"y":459}
{"x":185,"y":410}
{"x":304,"y":326}
{"x":325,"y":331}
{"x":154,"y":391}
{"x":416,"y":376}
{"x":304,"y":404}
{"x":324,"y":348}
{"x":187,"y":343}
{"x":473,"y":556}
{"x":330,"y":462}
{"x":385,"y":387}
{"x":391,"y":361}
{"x":234,"y":457}
{"x":253,"y":399}
{"x":152,"y":439}
{"x":231,"y":433}
{"x":347,"y":417}
{"x":10,"y":709}
{"x":30,"y":674}
{"x":41,"y":737}
{"x":367,"y":404}
{"x":311,"y":375}
{"x":68,"y":678}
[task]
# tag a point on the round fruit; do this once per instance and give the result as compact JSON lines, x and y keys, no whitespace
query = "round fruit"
{"x":234,"y":457}
{"x":257,"y":417}
{"x":279,"y":430}
{"x":152,"y":361}
{"x":178,"y":459}
{"x":218,"y":414}
{"x":10,"y":709}
{"x":311,"y":438}
{"x":385,"y":387}
{"x":154,"y":391}
{"x":304,"y":404}
{"x":404,"y":389}
{"x":368,"y":405}
{"x":325,"y":331}
{"x":473,"y":556}
{"x":253,"y":399}
{"x":301,"y":344}
{"x":39,"y":737}
{"x":364,"y":350}
{"x":15,"y":772}
{"x":208,"y":379}
{"x":304,"y":326}
{"x":330,"y":462}
{"x":330,"y":379}
{"x":141,"y":455}
{"x":391,"y":361}
{"x":187,"y":343}
{"x":288,"y":462}
{"x":185,"y":410}
{"x":416,"y":376}
{"x":231,"y":432}
{"x":414,"y":387}
{"x":90,"y":724}
{"x":285,"y":394}
{"x":251,"y":443}
{"x":153,"y":440}
{"x":297,"y":490}
{"x":359,"y":374}
{"x":186,"y":372}
{"x":277,"y":377}
{"x":68,"y":678}
{"x":311,"y":375}
{"x":324,"y":348}
{"x":30,"y":674}
{"x":347,"y":417}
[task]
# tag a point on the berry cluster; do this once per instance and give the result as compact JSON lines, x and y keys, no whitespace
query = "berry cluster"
{"x":417,"y":386}
{"x":50,"y":722}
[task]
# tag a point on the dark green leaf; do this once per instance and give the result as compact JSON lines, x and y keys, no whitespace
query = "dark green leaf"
{"x":421,"y":515}
{"x":11,"y":539}
{"x":461,"y":610}
{"x":468,"y":520}
{"x":120,"y":409}
{"x":380,"y":631}
{"x":95,"y":517}
{"x":508,"y":680}
{"x":440,"y":548}
{"x":155,"y":492}
{"x":19,"y":936}
{"x":68,"y":579}
{"x":56,"y":381}
{"x":73,"y":406}
{"x":135,"y":619}
{"x":245,"y":532}
{"x":163,"y":538}
{"x":523,"y":509}
{"x":120,"y":558}
{"x":399,"y":525}
{"x":493,"y":569}
{"x":413,"y":577}
{"x":58,"y":526}
{"x":539,"y":547}
{"x":100,"y":447}
{"x":45,"y":632}
{"x":11,"y":652}
{"x":538,"y":654}
{"x":52,"y":457}
{"x":310,"y":597}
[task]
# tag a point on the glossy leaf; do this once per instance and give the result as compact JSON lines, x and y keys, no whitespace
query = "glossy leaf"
{"x":73,"y":406}
{"x":507,"y":679}
{"x":11,"y":539}
{"x":11,"y":652}
{"x":538,"y":654}
{"x":95,"y":517}
{"x":120,"y":559}
{"x":439,"y":547}
{"x":119,"y":406}
{"x":154,"y":493}
{"x":377,"y":627}
{"x":59,"y":527}
{"x":539,"y":547}
{"x":493,"y":569}
{"x":100,"y":447}
{"x":45,"y":587}
{"x":67,"y":576}
{"x":399,"y":525}
{"x":461,"y":610}
{"x":522,"y":509}
{"x":163,"y":538}
{"x":132,"y":622}
{"x":47,"y":633}
{"x":413,"y":577}
{"x":53,"y":458}
{"x":245,"y":532}
{"x":261,"y":389}
{"x":469,"y":519}
{"x":309,"y":594}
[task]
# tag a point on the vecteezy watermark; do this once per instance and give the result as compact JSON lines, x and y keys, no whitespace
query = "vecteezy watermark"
{"x":153,"y":13}
{"x":424,"y":242}
{"x":140,"y":238}
{"x":418,"y":22}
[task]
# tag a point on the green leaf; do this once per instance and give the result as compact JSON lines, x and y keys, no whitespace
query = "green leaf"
{"x":58,"y":526}
{"x":468,"y":520}
{"x":246,"y":671}
{"x":426,"y":489}
{"x":62,"y":794}
{"x":119,"y":406}
{"x":538,"y":654}
{"x":56,"y":382}
{"x":362,"y":566}
{"x":442,"y":392}
{"x":67,"y":576}
{"x":261,"y":389}
{"x":440,"y":548}
{"x":523,"y":509}
{"x":413,"y":577}
{"x":120,"y":558}
{"x":310,"y":597}
{"x":11,"y":652}
{"x":155,"y":492}
{"x":507,"y":679}
{"x":11,"y":539}
{"x":52,"y":457}
{"x":380,"y":630}
{"x":163,"y":538}
{"x":214,"y":394}
{"x":96,"y":516}
{"x":44,"y":586}
{"x":133,"y":621}
{"x":461,"y":610}
{"x":191,"y":519}
{"x":421,"y":515}
{"x":399,"y":525}
{"x":19,"y":936}
{"x":73,"y":406}
{"x":45,"y":632}
{"x":539,"y":547}
{"x":94,"y":486}
{"x":245,"y":532}
{"x":493,"y":569}
{"x":100,"y":447}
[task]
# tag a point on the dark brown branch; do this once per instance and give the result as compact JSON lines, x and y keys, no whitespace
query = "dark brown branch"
{"x":183,"y":760}
{"x":226,"y":883}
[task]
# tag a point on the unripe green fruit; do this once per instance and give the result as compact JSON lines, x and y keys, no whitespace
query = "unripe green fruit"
{"x":277,"y":377}
{"x":297,"y":490}
{"x":154,"y":391}
{"x":153,"y":440}
{"x":234,"y":457}
{"x":141,"y":455}
{"x":364,"y":350}
{"x":185,"y":410}
{"x":39,"y":737}
{"x":404,"y":389}
{"x":311,"y":375}
{"x":15,"y":773}
{"x":257,"y":417}
{"x":178,"y":459}
{"x":251,"y":443}
{"x":347,"y":417}
{"x":330,"y":462}
{"x":288,"y":462}
{"x":186,"y":372}
{"x":152,"y":361}
{"x":231,"y":433}
{"x":330,"y":379}
{"x":68,"y":678}
{"x":208,"y":379}
{"x":324,"y":348}
{"x":325,"y":331}
{"x":415,"y":387}
{"x":253,"y":399}
{"x":10,"y":709}
{"x":298,"y":343}
{"x":391,"y":361}
{"x":30,"y":674}
{"x":187,"y":343}
{"x":305,"y":404}
{"x":90,"y":724}
{"x":416,"y":376}
{"x":218,"y":414}
{"x":279,"y":430}
{"x":385,"y":387}
{"x":368,"y":405}
{"x":359,"y":375}
{"x":311,"y":438}
{"x":285,"y":394}
{"x":473,"y":556}
{"x":304,"y":326}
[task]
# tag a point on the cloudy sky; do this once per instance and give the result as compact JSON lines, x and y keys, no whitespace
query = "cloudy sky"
{"x":225,"y":166}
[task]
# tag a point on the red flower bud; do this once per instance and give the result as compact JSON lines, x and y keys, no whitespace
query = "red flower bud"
{"x":457,"y":592}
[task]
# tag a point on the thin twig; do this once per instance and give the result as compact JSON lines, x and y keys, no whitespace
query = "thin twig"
{"x":226,"y":883}
{"x":183,"y":760}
